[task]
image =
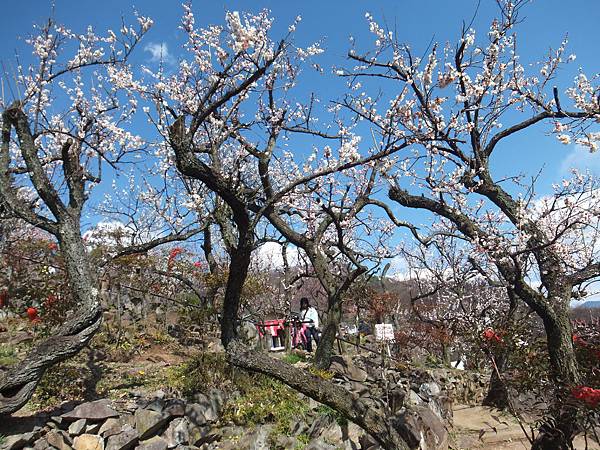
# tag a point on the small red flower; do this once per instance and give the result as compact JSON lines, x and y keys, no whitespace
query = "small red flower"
{"x":32,"y":313}
{"x":172,"y":255}
{"x":175,"y":252}
{"x":588,"y":395}
{"x":53,"y":246}
{"x":578,"y":340}
{"x":491,"y":336}
{"x":198,"y":264}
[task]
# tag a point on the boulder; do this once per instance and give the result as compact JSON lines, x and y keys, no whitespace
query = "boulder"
{"x":178,"y":432}
{"x":345,"y":368}
{"x":429,"y":390}
{"x":155,"y":443}
{"x":211,"y":405}
{"x":59,"y":440}
{"x":93,"y":411}
{"x":124,"y":440}
{"x":77,"y":427}
{"x":148,"y":422}
{"x":257,"y":439}
{"x":18,"y":441}
{"x":421,"y":429}
{"x":88,"y":442}
{"x":110,"y":427}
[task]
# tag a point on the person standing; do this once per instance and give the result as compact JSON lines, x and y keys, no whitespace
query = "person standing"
{"x":309,"y":314}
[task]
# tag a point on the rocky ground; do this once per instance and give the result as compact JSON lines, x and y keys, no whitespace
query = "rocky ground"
{"x":152,"y":398}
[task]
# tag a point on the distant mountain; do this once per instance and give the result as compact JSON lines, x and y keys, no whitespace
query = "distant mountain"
{"x":590,"y":304}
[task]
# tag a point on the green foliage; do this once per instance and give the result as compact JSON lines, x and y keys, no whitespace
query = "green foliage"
{"x":2,"y":439}
{"x":293,"y":358}
{"x":205,"y":371}
{"x":303,"y":440}
{"x":7,"y":355}
{"x":324,"y":374}
{"x":325,"y":410}
{"x":62,"y":382}
{"x":266,"y":400}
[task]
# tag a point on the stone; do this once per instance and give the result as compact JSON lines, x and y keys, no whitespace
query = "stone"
{"x":207,"y":406}
{"x":124,"y":440}
{"x":319,"y":444}
{"x":88,"y":442}
{"x":154,"y":443}
{"x":197,"y":412}
{"x":58,"y":439}
{"x":148,"y":422}
{"x":110,"y":427}
{"x":429,"y":390}
{"x":158,"y":404}
{"x":93,"y":411}
{"x":422,"y":429}
{"x":77,"y":427}
{"x":41,"y":444}
{"x":175,"y":408}
{"x":178,"y":432}
{"x":257,"y":439}
{"x":18,"y":441}
{"x":93,"y":428}
{"x":342,"y":366}
{"x":413,"y":398}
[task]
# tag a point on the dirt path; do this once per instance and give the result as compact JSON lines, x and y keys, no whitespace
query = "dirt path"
{"x":478,"y":427}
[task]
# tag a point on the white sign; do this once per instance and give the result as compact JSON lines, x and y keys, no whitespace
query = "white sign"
{"x":384,"y":332}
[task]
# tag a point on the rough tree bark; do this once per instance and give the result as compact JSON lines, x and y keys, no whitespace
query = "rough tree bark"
{"x":18,"y":383}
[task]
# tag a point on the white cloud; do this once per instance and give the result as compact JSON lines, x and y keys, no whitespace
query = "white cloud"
{"x":269,"y":255}
{"x":580,"y":158}
{"x":159,"y":52}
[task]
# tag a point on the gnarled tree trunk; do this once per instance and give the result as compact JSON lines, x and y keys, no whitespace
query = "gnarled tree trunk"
{"x":18,"y":383}
{"x":558,"y":432}
{"x":326,"y":345}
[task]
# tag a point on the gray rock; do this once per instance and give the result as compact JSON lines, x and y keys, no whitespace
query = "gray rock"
{"x":18,"y":441}
{"x":319,"y":444}
{"x":148,"y":422}
{"x":210,"y":407}
{"x":257,"y":440}
{"x":93,"y":411}
{"x":344,"y":367}
{"x":41,"y":444}
{"x":77,"y":427}
{"x":125,"y":440}
{"x":197,"y":412}
{"x":422,"y":429}
{"x":429,"y":390}
{"x":110,"y":427}
{"x":93,"y":428}
{"x":59,"y":439}
{"x":178,"y":432}
{"x":155,"y":443}
{"x":413,"y":398}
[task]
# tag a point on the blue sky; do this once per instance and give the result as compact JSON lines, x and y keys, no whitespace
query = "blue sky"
{"x":333,"y":21}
